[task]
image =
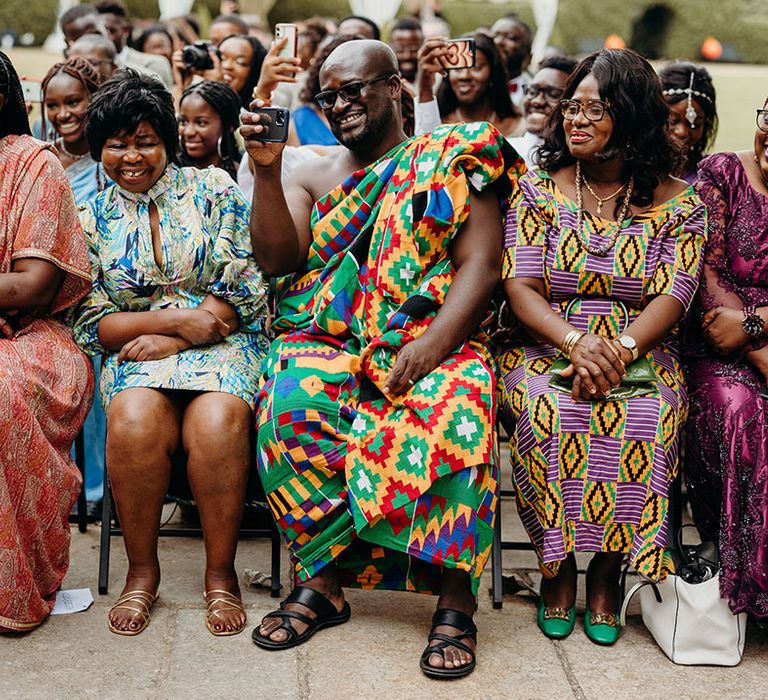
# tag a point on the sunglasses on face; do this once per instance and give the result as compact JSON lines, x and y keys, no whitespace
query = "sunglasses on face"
{"x":551,"y":94}
{"x":349,"y":92}
{"x":593,"y":110}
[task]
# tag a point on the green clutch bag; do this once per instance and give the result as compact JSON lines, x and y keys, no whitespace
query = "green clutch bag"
{"x":639,"y":380}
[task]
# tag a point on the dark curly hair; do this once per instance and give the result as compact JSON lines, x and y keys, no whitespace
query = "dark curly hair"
{"x":497,"y":84}
{"x":226,"y":103}
{"x":628,"y":82}
{"x":258,"y":54}
{"x":122,"y":103}
{"x":13,"y":113}
{"x":677,"y":76}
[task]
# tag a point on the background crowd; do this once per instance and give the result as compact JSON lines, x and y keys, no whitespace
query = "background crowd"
{"x":673,"y":257}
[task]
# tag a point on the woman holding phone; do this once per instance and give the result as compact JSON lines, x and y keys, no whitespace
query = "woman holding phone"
{"x":467,"y":94}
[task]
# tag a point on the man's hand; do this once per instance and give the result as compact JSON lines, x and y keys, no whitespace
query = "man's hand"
{"x":261,"y":154}
{"x":722,"y":328}
{"x":414,"y":361}
{"x":150,"y":347}
{"x":202,"y":327}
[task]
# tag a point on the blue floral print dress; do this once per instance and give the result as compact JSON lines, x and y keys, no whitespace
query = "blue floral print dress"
{"x":206,"y":249}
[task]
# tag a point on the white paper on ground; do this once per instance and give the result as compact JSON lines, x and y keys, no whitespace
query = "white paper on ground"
{"x":73,"y":601}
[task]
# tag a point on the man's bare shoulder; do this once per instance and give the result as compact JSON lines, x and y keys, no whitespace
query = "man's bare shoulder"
{"x":318,"y":173}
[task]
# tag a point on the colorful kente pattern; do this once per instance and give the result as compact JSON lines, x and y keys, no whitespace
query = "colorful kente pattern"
{"x":385,"y":486}
{"x":594,"y":476}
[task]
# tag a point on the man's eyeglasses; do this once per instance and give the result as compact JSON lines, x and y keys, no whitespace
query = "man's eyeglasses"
{"x":594,"y":110}
{"x":761,"y":119}
{"x":349,"y":92}
{"x":551,"y":94}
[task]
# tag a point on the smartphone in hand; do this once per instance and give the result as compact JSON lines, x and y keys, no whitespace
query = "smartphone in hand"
{"x":461,"y":54}
{"x":292,"y":32}
{"x":32,"y":90}
{"x":277,"y":120}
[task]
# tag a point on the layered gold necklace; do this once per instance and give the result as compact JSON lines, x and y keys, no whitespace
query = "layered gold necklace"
{"x":600,"y":251}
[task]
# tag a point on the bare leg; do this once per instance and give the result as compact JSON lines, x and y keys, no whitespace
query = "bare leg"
{"x":603,"y":582}
{"x":142,"y":434}
{"x":216,"y":431}
{"x":325,"y":582}
{"x":560,"y":591}
{"x":456,"y":594}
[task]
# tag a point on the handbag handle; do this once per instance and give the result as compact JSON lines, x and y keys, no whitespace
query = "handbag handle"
{"x":622,"y":305}
{"x":630,"y":595}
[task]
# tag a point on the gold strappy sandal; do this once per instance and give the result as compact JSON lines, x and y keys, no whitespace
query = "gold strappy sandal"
{"x":226,"y":602}
{"x":138,"y":602}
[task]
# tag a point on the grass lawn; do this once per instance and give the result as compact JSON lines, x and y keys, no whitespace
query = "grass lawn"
{"x":740,"y":90}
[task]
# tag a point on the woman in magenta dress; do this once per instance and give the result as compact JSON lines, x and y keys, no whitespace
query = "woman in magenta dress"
{"x":726,"y":465}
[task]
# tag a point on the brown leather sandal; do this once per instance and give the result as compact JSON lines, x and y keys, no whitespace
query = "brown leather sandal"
{"x":224,"y":602}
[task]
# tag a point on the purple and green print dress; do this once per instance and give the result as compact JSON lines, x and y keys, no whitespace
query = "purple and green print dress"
{"x":594,"y":476}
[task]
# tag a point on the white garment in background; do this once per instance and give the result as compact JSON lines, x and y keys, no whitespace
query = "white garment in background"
{"x":526,"y":146}
{"x":293,"y":156}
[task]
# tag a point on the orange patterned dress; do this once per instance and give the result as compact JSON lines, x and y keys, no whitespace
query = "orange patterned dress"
{"x":46,"y":385}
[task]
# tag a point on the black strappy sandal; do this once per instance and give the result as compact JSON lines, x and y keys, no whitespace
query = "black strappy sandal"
{"x":459,"y":620}
{"x":327,"y":616}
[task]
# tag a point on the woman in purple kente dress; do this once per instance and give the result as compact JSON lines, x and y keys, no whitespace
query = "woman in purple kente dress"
{"x":726,"y":456}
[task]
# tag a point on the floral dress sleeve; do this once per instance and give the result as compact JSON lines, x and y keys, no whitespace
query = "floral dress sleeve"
{"x":97,"y":304}
{"x":235,"y":278}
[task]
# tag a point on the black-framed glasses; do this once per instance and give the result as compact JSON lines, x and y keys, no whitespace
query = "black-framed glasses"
{"x":594,"y":110}
{"x":349,"y":92}
{"x":761,"y":119}
{"x":551,"y":94}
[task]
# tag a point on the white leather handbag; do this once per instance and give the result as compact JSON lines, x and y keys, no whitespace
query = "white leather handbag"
{"x":691,"y":623}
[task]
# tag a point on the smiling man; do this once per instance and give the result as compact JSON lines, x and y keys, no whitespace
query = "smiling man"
{"x":542,"y":96}
{"x":376,"y":442}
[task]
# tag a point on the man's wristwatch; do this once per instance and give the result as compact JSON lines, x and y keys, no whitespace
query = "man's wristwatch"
{"x":752,"y":323}
{"x":628,"y":342}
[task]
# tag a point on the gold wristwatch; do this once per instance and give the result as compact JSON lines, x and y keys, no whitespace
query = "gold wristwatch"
{"x":628,"y":342}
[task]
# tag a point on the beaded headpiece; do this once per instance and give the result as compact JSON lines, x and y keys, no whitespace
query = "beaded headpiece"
{"x":690,"y":112}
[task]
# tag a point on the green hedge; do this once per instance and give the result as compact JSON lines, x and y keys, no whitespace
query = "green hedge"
{"x":38,"y":17}
{"x":581,"y":26}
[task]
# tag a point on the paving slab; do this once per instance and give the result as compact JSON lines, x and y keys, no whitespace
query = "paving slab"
{"x":374,"y":655}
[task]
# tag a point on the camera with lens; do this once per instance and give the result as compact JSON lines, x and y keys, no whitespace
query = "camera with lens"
{"x":197,"y":56}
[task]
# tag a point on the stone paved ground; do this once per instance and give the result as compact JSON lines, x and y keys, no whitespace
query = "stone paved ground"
{"x":375,"y":655}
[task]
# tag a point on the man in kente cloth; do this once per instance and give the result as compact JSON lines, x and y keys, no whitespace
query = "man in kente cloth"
{"x":376,"y":412}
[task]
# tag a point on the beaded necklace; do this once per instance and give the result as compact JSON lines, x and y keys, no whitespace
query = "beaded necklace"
{"x":602,"y":250}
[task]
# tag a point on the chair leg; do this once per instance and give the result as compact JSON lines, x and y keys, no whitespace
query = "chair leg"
{"x":82,"y":506}
{"x":106,"y":536}
{"x":497,"y":593}
{"x":276,"y":545}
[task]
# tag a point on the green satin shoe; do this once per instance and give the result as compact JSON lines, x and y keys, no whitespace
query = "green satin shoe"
{"x":555,"y":623}
{"x":602,"y":628}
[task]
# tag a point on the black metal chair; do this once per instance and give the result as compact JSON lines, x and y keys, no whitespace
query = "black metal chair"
{"x":179,"y":488}
{"x":81,"y":514}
